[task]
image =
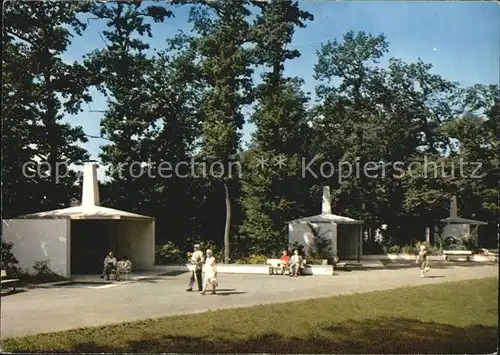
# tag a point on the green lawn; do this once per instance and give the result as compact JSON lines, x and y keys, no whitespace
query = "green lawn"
{"x":449,"y":318}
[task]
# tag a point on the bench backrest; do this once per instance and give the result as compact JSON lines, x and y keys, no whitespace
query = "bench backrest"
{"x":273,"y":262}
{"x":457,"y":252}
{"x":4,"y":274}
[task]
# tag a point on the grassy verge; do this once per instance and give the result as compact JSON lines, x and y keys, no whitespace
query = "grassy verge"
{"x":449,"y":318}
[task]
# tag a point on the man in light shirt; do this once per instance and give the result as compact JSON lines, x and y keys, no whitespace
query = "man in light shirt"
{"x":295,"y":263}
{"x":197,"y":260}
{"x":109,"y":265}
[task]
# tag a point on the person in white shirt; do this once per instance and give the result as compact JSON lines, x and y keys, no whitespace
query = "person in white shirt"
{"x":295,"y":263}
{"x":210,"y":272}
{"x":122,"y":267}
{"x":196,"y":261}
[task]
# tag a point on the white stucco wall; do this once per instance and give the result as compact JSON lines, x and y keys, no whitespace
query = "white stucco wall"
{"x":136,"y":239}
{"x":145,"y":245}
{"x":455,"y":230}
{"x":40,"y":240}
{"x":301,"y":233}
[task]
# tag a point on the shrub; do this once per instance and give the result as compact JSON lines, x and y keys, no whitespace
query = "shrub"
{"x":216,"y":249}
{"x":296,"y":246}
{"x":465,"y":243}
{"x":395,"y":249}
{"x":168,"y":253}
{"x":7,"y":257}
{"x":44,"y":272}
{"x":253,"y":259}
{"x":412,"y":249}
{"x":322,"y":243}
{"x":257,"y":259}
{"x":42,"y":267}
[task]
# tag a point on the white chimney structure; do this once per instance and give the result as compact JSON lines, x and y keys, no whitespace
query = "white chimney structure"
{"x":326,"y":207}
{"x":90,"y":191}
{"x":453,"y":206}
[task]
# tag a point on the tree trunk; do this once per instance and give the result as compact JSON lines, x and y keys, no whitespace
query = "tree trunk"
{"x":227,"y":229}
{"x":439,"y":231}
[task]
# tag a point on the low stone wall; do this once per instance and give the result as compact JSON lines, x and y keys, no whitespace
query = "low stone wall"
{"x":394,"y":257}
{"x":247,"y":269}
{"x":366,"y":261}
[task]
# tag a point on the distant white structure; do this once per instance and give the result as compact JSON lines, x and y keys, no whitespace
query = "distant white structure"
{"x":79,"y":237}
{"x":460,"y":228}
{"x":345,"y":234}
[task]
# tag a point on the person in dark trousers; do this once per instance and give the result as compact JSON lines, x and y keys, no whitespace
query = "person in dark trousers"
{"x":197,"y":260}
{"x":109,"y":265}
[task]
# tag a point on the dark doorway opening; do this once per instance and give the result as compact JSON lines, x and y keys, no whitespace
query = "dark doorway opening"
{"x":91,"y":240}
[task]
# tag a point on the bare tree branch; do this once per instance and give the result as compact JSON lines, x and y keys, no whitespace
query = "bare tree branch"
{"x":90,"y":109}
{"x":97,"y":137}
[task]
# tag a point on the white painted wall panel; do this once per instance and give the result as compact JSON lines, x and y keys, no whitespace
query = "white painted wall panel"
{"x":136,"y":239}
{"x":40,"y":240}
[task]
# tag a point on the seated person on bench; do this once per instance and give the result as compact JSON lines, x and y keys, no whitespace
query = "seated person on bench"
{"x":295,"y":263}
{"x":285,"y":260}
{"x":109,"y":265}
{"x":123,"y":267}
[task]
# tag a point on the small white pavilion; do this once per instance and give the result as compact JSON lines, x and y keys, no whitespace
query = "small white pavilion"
{"x":344,"y":233}
{"x":75,"y":240}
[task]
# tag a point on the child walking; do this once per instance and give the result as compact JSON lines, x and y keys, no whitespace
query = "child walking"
{"x":422,"y":260}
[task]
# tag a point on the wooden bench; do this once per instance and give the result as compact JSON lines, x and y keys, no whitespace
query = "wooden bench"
{"x":457,"y":253}
{"x":8,"y":282}
{"x":342,"y":266}
{"x":275,"y":267}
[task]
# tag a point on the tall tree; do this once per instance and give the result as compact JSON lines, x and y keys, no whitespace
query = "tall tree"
{"x":223,"y":30}
{"x":272,"y":195}
{"x":377,"y":117}
{"x":476,"y":129}
{"x":127,"y":76}
{"x":175,"y":91}
{"x":39,"y":88}
{"x":348,"y":111}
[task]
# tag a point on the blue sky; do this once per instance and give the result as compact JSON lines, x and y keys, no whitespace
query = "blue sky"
{"x":460,"y":39}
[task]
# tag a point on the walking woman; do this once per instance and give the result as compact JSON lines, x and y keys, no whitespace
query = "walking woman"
{"x":210,"y":272}
{"x":422,"y":260}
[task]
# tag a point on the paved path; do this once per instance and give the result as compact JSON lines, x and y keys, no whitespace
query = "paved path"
{"x":55,"y":309}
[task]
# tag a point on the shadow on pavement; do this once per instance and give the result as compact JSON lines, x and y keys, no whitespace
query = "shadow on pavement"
{"x":377,"y":336}
{"x":408,"y":264}
{"x":229,"y":293}
{"x":174,"y":273}
{"x":11,"y":293}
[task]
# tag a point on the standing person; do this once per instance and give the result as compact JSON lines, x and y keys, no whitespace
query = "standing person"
{"x":295,"y":263}
{"x":109,"y":265}
{"x":422,"y":260}
{"x":210,"y":272}
{"x":196,"y":261}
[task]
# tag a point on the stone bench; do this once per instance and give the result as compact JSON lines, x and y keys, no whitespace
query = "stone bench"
{"x":457,"y":253}
{"x":276,"y":267}
{"x":9,"y":282}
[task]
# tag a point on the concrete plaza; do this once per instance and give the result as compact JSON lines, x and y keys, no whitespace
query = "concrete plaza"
{"x":50,"y":309}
